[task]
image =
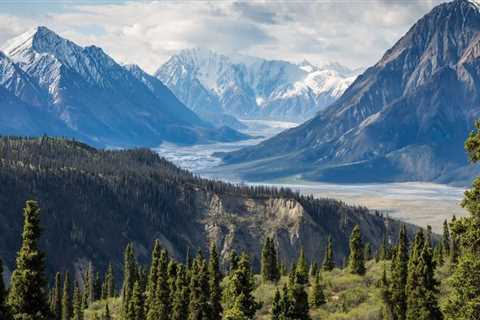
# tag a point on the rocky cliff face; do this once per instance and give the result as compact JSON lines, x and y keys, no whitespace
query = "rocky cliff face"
{"x":416,"y":105}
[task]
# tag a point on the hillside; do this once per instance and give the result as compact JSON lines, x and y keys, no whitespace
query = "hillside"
{"x":404,"y":119}
{"x":95,"y":201}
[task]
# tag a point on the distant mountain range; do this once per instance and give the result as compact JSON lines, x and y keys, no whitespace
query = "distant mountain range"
{"x":50,"y":85}
{"x":405,"y":118}
{"x":217,"y":86}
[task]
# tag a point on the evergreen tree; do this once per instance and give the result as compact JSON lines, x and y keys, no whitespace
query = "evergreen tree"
{"x":285,"y":303}
{"x":160,"y":305}
{"x":317,"y":297}
{"x":399,"y":274}
{"x":328,"y":263}
{"x":27,"y":297}
{"x":180,"y":298}
{"x":463,"y":301}
{"x":302,"y":268}
{"x":56,"y":301}
{"x":233,"y":261}
{"x":136,"y":308}
{"x":153,"y":276}
{"x":77,"y":304}
{"x":239,"y":287}
{"x":276,"y":308}
{"x":215,"y":277}
{"x":66,"y":298}
{"x":97,"y":287}
{"x":313,"y":269}
{"x":130,"y":275}
{"x":446,"y":239}
{"x":298,"y":298}
{"x":199,"y":307}
{"x":356,"y":257}
{"x":421,"y":289}
{"x":269,"y":267}
{"x":108,"y":286}
{"x":368,"y":251}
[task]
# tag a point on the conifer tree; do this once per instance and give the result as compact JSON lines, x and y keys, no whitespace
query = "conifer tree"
{"x":66,"y":298}
{"x":136,"y":308}
{"x":77,"y":304}
{"x":302,"y":268}
{"x":180,"y":298}
{"x":130,"y":275}
{"x":313,"y":269}
{"x":421,"y":286}
{"x":328,"y":263}
{"x":56,"y":301}
{"x":317,"y":296}
{"x":238,"y":292}
{"x":97,"y":287}
{"x":356,"y":259}
{"x":446,"y":239}
{"x":27,"y":297}
{"x":368,"y":251}
{"x":160,"y":303}
{"x":276,"y":307}
{"x":153,"y":275}
{"x":399,"y":274}
{"x":233,"y":261}
{"x":199,"y":307}
{"x":463,"y":301}
{"x":215,"y":277}
{"x":298,"y":298}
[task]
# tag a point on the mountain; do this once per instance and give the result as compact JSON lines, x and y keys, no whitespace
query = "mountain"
{"x":252,"y":88}
{"x":405,"y":118}
{"x":95,"y":201}
{"x":95,"y":97}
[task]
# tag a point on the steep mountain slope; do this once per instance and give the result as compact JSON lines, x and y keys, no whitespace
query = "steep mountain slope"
{"x":94,"y":202}
{"x":253,"y":88}
{"x":96,"y":97}
{"x":405,"y":118}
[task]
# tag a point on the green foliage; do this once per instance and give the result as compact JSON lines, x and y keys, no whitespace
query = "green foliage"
{"x":399,"y":274}
{"x":67,"y":297}
{"x":356,"y":259}
{"x":215,"y":278}
{"x":238,"y":293}
{"x":446,"y":239}
{"x":77,"y":304}
{"x":4,"y":314}
{"x":108,"y":286}
{"x":317,"y":296}
{"x":56,"y":298}
{"x":301,"y":268}
{"x":199,"y":308}
{"x":269,"y":268}
{"x":136,"y":307}
{"x":130,"y":276}
{"x":27,"y":298}
{"x":181,"y":296}
{"x":328,"y":263}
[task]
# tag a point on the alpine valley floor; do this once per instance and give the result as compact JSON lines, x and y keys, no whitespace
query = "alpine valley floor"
{"x":413,"y":202}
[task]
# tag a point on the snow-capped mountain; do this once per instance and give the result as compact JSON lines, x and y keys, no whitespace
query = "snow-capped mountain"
{"x":95,"y":97}
{"x":405,"y":118}
{"x":252,"y":88}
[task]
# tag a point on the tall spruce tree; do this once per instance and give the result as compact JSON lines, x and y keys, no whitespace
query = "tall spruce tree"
{"x":66,"y":297}
{"x":422,"y":303}
{"x":328,"y":262}
{"x":136,"y":308}
{"x":199,"y":308}
{"x":276,"y":307}
{"x":215,"y":278}
{"x":77,"y":313}
{"x":356,"y":260}
{"x":130,"y":275}
{"x":269,"y":267}
{"x":160,"y":305}
{"x":399,"y":274}
{"x":446,"y":239}
{"x":454,"y":249}
{"x":317,"y":296}
{"x":27,"y":298}
{"x":463,"y":301}
{"x":298,"y":298}
{"x":56,"y":301}
{"x":153,"y":275}
{"x":180,"y":298}
{"x":301,"y":268}
{"x":239,"y":287}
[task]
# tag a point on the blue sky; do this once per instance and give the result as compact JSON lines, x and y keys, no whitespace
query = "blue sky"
{"x":354,"y":33}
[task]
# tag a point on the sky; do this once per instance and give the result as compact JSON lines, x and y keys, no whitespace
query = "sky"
{"x":353,"y":33}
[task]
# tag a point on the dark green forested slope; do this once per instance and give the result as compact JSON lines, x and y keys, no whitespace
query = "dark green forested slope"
{"x":94,"y":202}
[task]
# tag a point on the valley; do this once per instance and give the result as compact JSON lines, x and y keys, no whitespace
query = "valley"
{"x":419,"y":203}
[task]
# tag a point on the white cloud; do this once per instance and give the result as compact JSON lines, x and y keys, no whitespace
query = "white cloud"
{"x":355,"y":33}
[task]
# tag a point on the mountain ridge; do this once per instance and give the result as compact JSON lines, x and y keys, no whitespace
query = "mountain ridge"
{"x":413,"y":107}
